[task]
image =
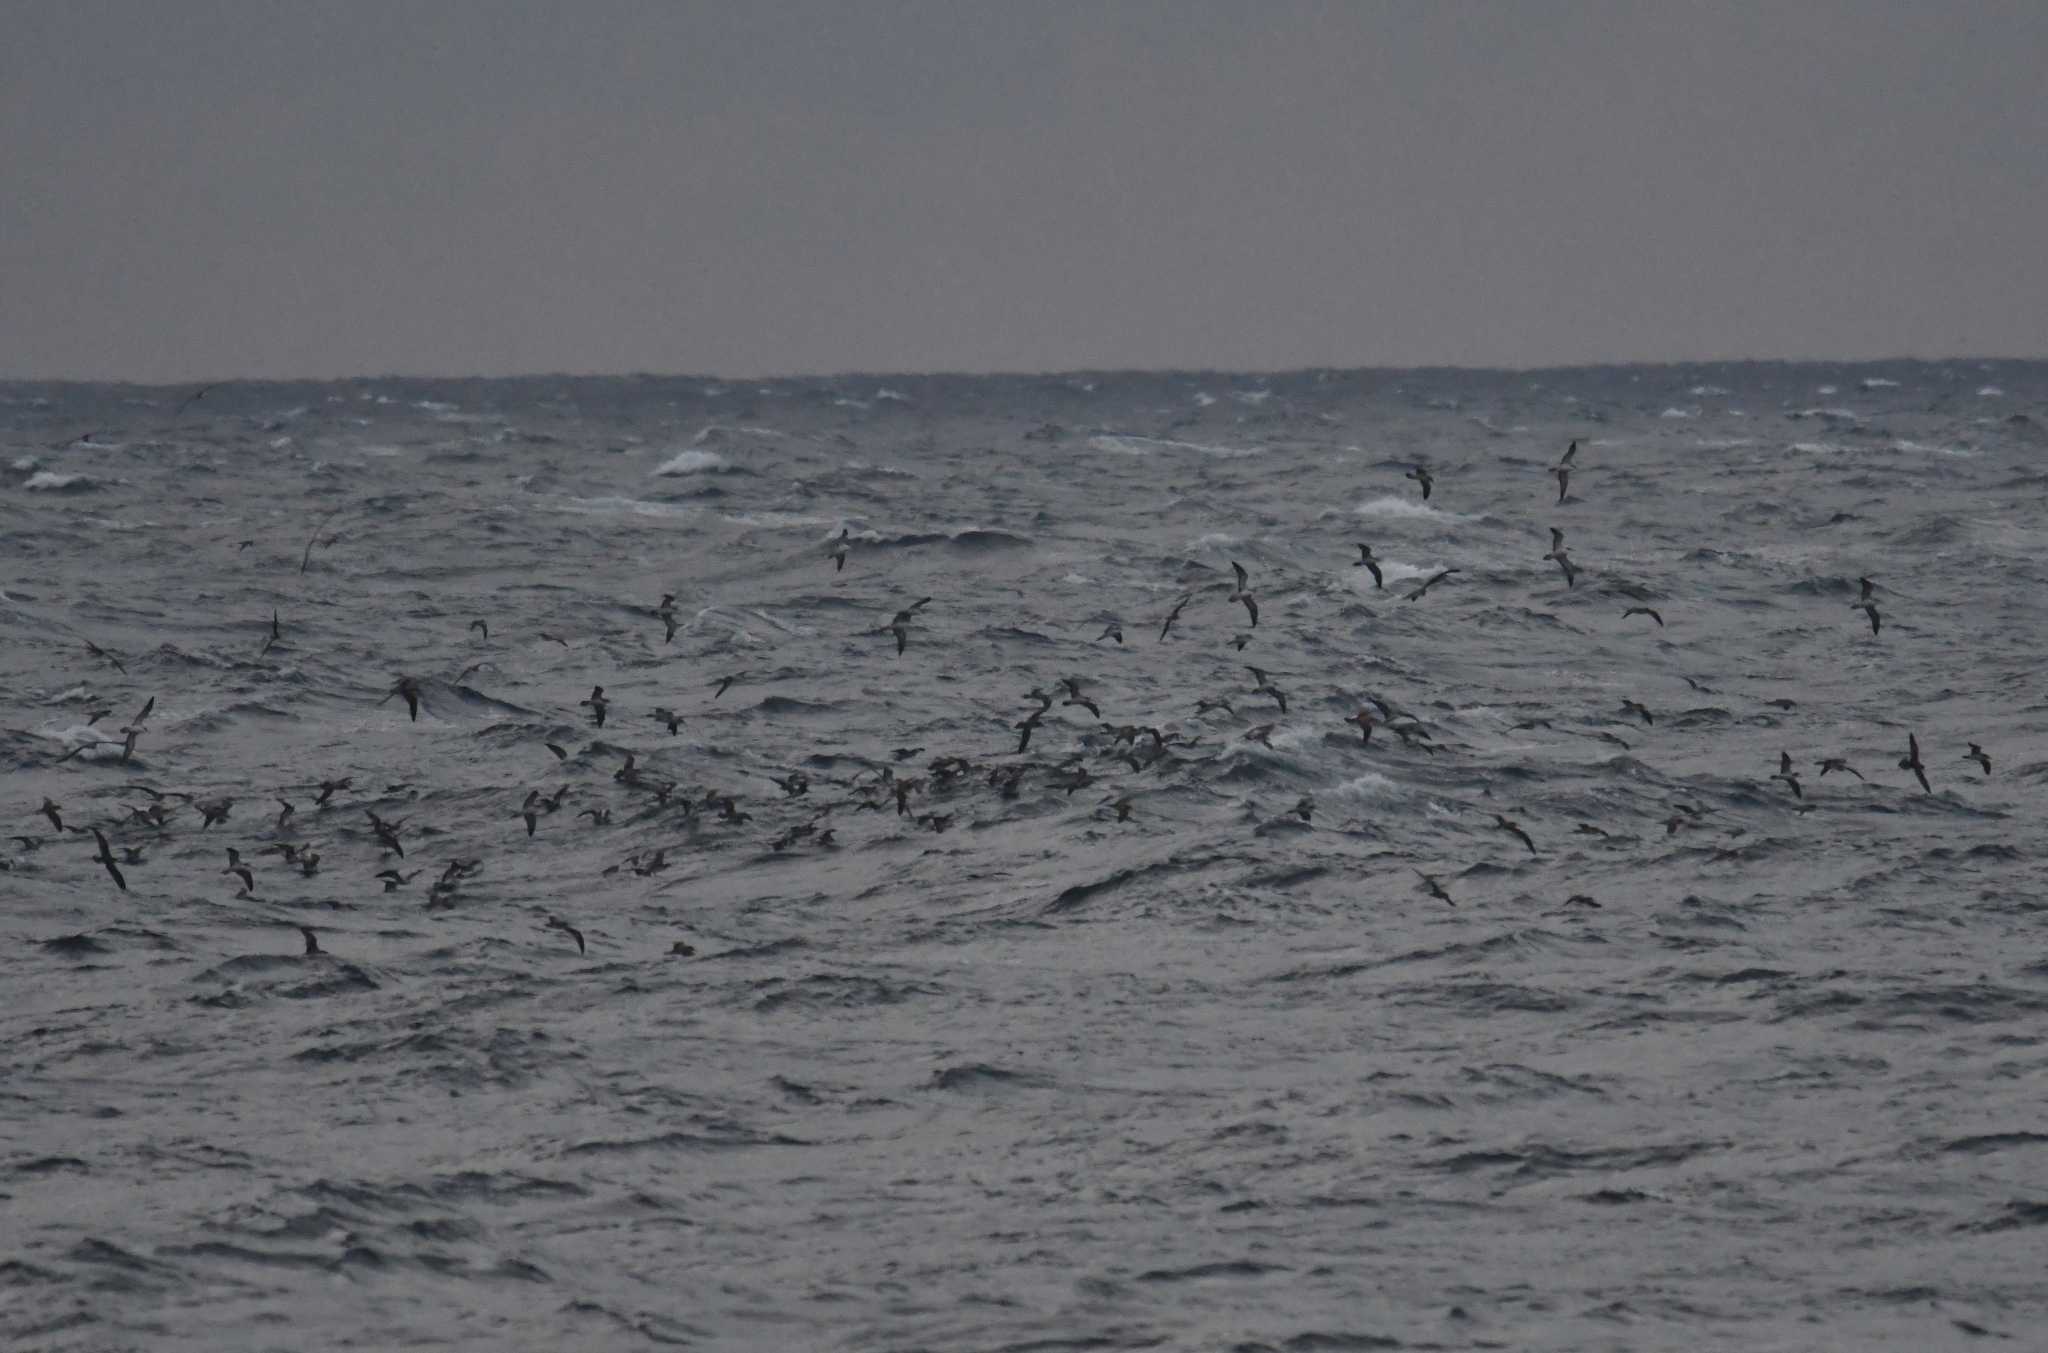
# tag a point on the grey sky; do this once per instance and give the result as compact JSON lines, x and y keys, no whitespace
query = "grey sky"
{"x":193,"y":190}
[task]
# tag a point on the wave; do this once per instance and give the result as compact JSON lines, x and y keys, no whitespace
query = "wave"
{"x":51,"y":481}
{"x":1123,"y":445}
{"x":693,"y":462}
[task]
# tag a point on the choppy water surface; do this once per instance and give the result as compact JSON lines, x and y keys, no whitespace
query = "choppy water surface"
{"x":1000,"y":1071}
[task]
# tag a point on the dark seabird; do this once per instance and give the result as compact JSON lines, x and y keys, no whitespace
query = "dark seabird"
{"x":1220,"y":702}
{"x":557,"y":923}
{"x":1304,"y":808}
{"x":1980,"y":756}
{"x":1366,"y":561}
{"x":1869,"y":591}
{"x":312,"y":940}
{"x":1588,"y":829}
{"x":1432,"y":582}
{"x":409,"y":687}
{"x":668,"y":622}
{"x":663,"y":714}
{"x":1122,"y":808}
{"x":1837,"y":763}
{"x":1174,"y":615}
{"x":1421,"y":475}
{"x":1364,"y":720}
{"x":1786,"y":774}
{"x":1433,"y":885}
{"x":105,"y":656}
{"x":285,"y":811}
{"x":561,"y":753}
{"x":905,"y":753}
{"x":483,"y":625}
{"x":681,"y":950}
{"x":1581,"y":900}
{"x":1563,"y":470}
{"x":328,"y":789}
{"x":1513,"y":828}
{"x":1637,"y":708}
{"x":597,"y":705}
{"x":241,"y":871}
{"x":214,"y":810}
{"x":901,"y":630}
{"x":1074,"y":696}
{"x":1869,"y":608}
{"x":393,"y":880}
{"x":1113,"y":631}
{"x":51,"y":809}
{"x":840,"y":548}
{"x":553,"y":638}
{"x":1239,"y":641}
{"x":1911,"y":761}
{"x":1024,"y":730}
{"x":1644,"y":610}
{"x":530,"y":811}
{"x":106,"y":858}
{"x":1563,"y":560}
{"x":724,"y":682}
{"x":1251,"y":608}
{"x":1263,"y":734}
{"x":1266,"y":687}
{"x":386,"y":832}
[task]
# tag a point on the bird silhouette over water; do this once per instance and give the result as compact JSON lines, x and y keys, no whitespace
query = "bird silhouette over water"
{"x":1911,"y":761}
{"x":1366,"y":561}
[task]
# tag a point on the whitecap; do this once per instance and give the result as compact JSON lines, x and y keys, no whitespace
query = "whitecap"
{"x":46,"y":481}
{"x":1145,"y":446}
{"x":691,"y":462}
{"x":784,"y":521}
{"x":896,"y":395}
{"x":615,"y":506}
{"x":1203,"y":399}
{"x":1251,"y":397}
{"x":1679,"y":413}
{"x":714,"y":434}
{"x":26,"y":463}
{"x":1390,"y":506}
{"x":1371,"y":785}
{"x":1989,"y":392}
{"x":1216,"y":540}
{"x":1877,"y":383}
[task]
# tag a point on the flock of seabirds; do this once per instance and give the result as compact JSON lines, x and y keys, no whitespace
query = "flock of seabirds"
{"x":1139,"y":747}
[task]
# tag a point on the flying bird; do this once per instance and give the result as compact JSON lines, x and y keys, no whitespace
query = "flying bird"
{"x":1372,"y":565}
{"x":1644,"y":610}
{"x":1174,"y":615}
{"x":1563,"y":469}
{"x":1436,"y":578}
{"x":1421,"y":475}
{"x":1911,"y":761}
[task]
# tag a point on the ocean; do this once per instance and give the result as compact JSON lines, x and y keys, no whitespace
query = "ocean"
{"x":813,"y":1013}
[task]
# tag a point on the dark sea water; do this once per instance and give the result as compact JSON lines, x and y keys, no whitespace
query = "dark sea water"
{"x":1001,"y":1071}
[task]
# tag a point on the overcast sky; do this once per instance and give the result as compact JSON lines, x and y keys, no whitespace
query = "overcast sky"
{"x":192,"y":190}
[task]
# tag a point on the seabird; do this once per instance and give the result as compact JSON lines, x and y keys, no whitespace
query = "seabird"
{"x":529,"y":811}
{"x":1421,"y":475}
{"x":1837,"y":763}
{"x":1263,"y":734}
{"x":1514,"y":828}
{"x":106,"y":857}
{"x":1367,"y":562}
{"x":393,"y":880}
{"x":724,"y":682}
{"x":328,"y":788}
{"x":839,"y":549}
{"x":1563,"y":560}
{"x":483,"y":625}
{"x":1869,"y":608}
{"x":213,"y":810}
{"x":1563,"y":469}
{"x":597,"y":705}
{"x":312,"y":940}
{"x":1251,"y":607}
{"x":240,"y":870}
{"x":1644,"y":610}
{"x":1304,"y":808}
{"x":663,"y":714}
{"x":1074,"y":696}
{"x":561,"y":753}
{"x":1911,"y":761}
{"x":1122,"y":807}
{"x":1364,"y":720}
{"x":1980,"y":756}
{"x":1432,"y":582}
{"x":1869,"y":590}
{"x":1433,"y":885}
{"x":285,"y":811}
{"x":105,"y":656}
{"x":557,"y":923}
{"x":1113,"y":631}
{"x":1174,"y":615}
{"x":409,"y":687}
{"x":51,"y":809}
{"x":1636,"y":707}
{"x":387,"y":832}
{"x":1024,"y":729}
{"x":1786,"y":774}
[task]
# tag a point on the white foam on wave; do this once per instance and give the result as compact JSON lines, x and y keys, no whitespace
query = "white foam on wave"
{"x":1390,"y":506}
{"x":1820,"y":449}
{"x":1989,"y":392}
{"x":1203,"y":399}
{"x":1121,"y":445}
{"x":691,"y":462}
{"x":1251,"y":397}
{"x":784,"y":521}
{"x":1216,"y":540}
{"x":1294,"y":735}
{"x":1903,"y":445}
{"x":1877,"y":383}
{"x":713,"y":434}
{"x":25,"y":463}
{"x":46,"y":481}
{"x":1371,"y":785}
{"x":896,"y":395}
{"x":1830,"y":415}
{"x":1679,"y":413}
{"x":616,"y":506}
